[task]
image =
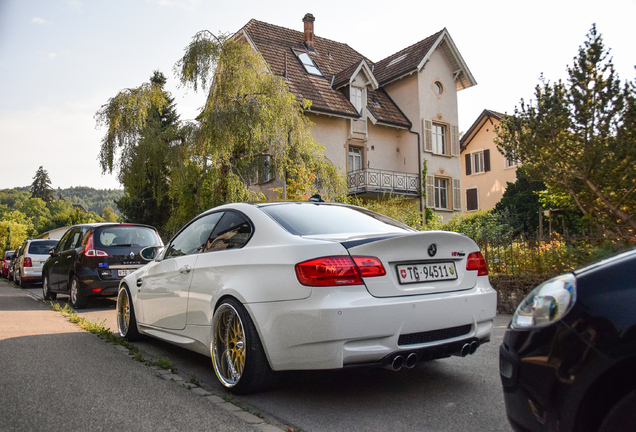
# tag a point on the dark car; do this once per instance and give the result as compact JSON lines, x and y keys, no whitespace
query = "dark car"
{"x":91,"y":259}
{"x":6,"y":260}
{"x":10,"y":269}
{"x":568,"y":359}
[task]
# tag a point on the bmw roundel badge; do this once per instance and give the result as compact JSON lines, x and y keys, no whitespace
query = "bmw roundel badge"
{"x":432,"y":250}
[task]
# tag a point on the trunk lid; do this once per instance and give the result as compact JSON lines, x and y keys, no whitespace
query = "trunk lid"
{"x":410,"y":259}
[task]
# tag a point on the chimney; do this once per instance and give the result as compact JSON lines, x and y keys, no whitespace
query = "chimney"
{"x":309,"y":31}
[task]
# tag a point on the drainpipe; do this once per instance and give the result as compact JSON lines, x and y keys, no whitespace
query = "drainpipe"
{"x":419,"y":163}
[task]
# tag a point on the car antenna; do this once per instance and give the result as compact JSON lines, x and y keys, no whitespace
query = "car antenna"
{"x":316,"y":198}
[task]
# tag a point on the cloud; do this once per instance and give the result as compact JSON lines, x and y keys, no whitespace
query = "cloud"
{"x":37,"y":20}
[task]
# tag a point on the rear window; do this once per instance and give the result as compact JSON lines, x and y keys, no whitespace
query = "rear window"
{"x":320,"y":219}
{"x":41,"y":248}
{"x":125,"y":236}
{"x":10,"y":256}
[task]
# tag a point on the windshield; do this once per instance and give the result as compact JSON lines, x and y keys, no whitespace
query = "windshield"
{"x":323,"y":219}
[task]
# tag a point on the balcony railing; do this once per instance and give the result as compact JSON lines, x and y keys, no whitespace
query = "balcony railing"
{"x":375,"y":181}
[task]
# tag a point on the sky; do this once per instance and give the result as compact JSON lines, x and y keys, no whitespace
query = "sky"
{"x":61,"y":60}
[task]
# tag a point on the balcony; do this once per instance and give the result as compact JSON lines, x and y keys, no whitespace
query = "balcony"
{"x":373,"y":182}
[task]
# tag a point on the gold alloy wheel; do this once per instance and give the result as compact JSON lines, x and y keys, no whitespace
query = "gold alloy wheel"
{"x":228,"y":347}
{"x":123,"y":313}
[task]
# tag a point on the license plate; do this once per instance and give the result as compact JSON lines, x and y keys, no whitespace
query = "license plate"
{"x":414,"y":273}
{"x":124,"y":272}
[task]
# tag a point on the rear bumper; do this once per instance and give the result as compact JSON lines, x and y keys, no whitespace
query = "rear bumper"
{"x":91,"y":286}
{"x":345,"y":326}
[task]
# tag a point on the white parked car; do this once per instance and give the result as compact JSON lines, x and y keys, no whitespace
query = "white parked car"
{"x":288,"y":286}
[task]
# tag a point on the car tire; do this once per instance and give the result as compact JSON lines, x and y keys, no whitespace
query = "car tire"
{"x":622,"y":417}
{"x":126,"y":319}
{"x":237,"y":354}
{"x":46,"y":289}
{"x":23,"y":283}
{"x":77,"y":299}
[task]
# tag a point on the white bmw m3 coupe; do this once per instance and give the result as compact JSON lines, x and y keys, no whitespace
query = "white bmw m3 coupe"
{"x":309,"y":285}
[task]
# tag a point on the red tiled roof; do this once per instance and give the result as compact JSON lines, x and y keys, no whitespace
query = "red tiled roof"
{"x":413,"y":55}
{"x":385,"y":110}
{"x":336,"y":61}
{"x":330,"y":57}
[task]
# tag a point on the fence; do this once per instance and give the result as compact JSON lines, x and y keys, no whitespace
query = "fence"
{"x":548,"y":256}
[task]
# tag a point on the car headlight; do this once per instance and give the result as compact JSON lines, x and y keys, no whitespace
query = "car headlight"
{"x":547,"y":303}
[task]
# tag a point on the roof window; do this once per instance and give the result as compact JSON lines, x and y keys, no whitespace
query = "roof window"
{"x":397,"y":60}
{"x":309,"y":64}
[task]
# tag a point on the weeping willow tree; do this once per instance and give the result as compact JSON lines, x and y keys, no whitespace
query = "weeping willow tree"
{"x":250,"y":119}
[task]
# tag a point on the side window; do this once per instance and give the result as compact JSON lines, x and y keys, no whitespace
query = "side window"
{"x":70,"y":240}
{"x":193,"y":237}
{"x":232,"y":232}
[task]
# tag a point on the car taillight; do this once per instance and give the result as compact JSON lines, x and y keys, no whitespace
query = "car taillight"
{"x":338,"y":270}
{"x":27,"y":262}
{"x":369,"y":266}
{"x":476,"y":261}
{"x":90,"y":250}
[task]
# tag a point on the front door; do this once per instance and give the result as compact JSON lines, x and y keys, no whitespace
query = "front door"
{"x":163,"y":290}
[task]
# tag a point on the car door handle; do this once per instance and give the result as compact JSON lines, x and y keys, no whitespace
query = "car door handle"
{"x":185,"y":269}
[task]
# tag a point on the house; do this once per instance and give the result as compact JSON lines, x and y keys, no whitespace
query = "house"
{"x":378,"y":121}
{"x":485,"y":170}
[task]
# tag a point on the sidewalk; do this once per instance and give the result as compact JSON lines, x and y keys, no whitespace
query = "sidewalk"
{"x":58,"y":377}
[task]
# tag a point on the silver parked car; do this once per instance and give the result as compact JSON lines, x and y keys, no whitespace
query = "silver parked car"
{"x":28,"y":263}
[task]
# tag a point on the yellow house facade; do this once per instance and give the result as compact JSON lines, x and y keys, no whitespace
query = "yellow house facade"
{"x":485,"y":171}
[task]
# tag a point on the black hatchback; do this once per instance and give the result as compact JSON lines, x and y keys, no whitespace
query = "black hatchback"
{"x":568,"y":359}
{"x":91,"y":259}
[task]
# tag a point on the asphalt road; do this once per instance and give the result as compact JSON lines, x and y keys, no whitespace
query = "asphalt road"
{"x":455,"y":394}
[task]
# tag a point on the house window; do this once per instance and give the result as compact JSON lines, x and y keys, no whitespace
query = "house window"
{"x":439,"y":139}
{"x":309,"y":64}
{"x":439,"y":88}
{"x":355,"y":159}
{"x":356,"y":98}
{"x":472,"y":199}
{"x":441,"y":193}
{"x":478,"y":162}
{"x":510,"y":163}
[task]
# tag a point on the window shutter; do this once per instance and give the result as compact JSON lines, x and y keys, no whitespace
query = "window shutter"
{"x":430,"y":191}
{"x":471,"y":199}
{"x":428,"y":135}
{"x":457,"y":198}
{"x":486,"y":160}
{"x":454,"y":141}
{"x":468,"y":170}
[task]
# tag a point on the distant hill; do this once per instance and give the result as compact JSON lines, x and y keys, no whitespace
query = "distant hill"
{"x":93,"y":200}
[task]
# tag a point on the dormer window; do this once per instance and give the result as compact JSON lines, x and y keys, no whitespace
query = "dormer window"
{"x":309,"y":64}
{"x":356,"y":98}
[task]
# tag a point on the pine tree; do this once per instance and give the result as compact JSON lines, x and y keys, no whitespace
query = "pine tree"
{"x":41,"y":186}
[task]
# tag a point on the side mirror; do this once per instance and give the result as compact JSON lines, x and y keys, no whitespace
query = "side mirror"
{"x":51,"y":251}
{"x":151,"y":252}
